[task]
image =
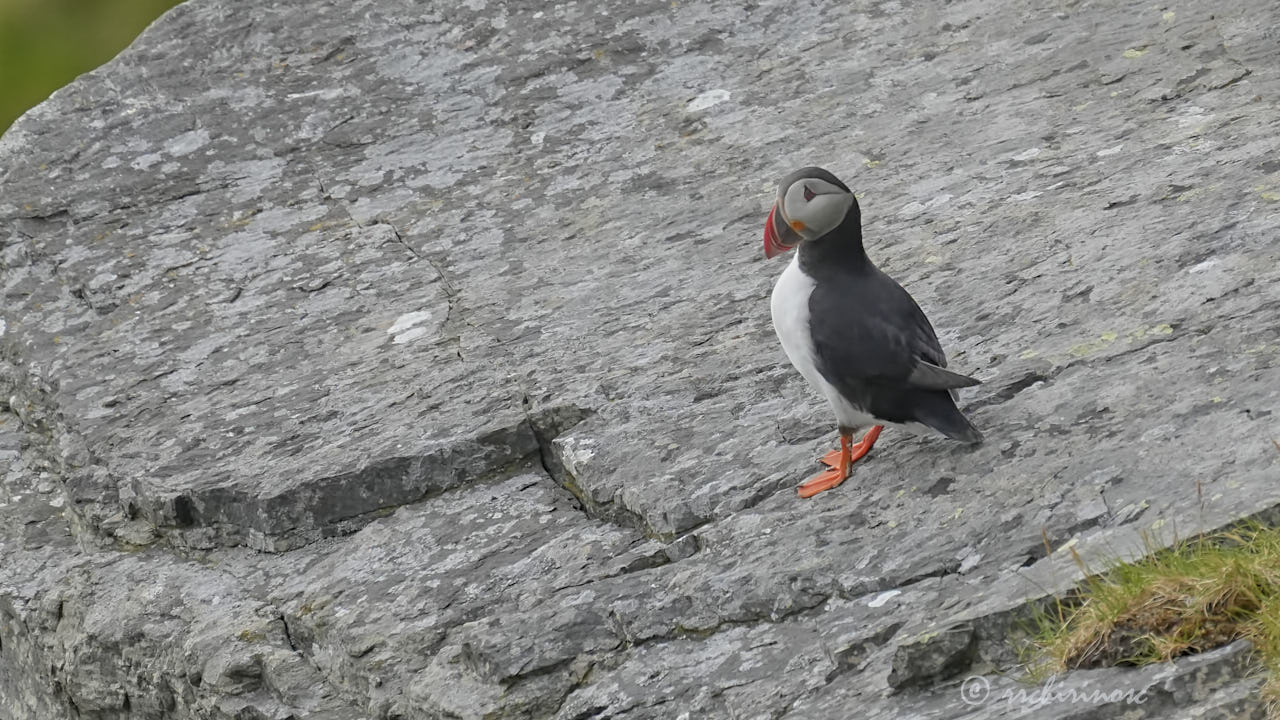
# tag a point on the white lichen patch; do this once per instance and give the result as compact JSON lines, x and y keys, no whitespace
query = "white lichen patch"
{"x":409,"y":335}
{"x":332,"y":93}
{"x":708,"y":99}
{"x":187,"y":143}
{"x":575,"y":452}
{"x":883,"y":598}
{"x":101,"y":280}
{"x":1203,"y":266}
{"x":145,"y":161}
{"x":408,"y":320}
{"x":409,"y":327}
{"x":1192,"y":115}
{"x":912,"y":208}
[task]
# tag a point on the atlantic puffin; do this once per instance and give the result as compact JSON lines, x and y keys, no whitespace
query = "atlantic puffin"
{"x":853,"y":332}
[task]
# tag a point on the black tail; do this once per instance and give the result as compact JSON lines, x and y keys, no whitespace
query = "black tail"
{"x":938,"y":410}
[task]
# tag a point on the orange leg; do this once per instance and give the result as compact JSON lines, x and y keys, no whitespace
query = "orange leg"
{"x":856,"y":450}
{"x":840,"y":462}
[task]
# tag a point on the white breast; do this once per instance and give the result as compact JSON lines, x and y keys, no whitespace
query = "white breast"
{"x":790,"y":307}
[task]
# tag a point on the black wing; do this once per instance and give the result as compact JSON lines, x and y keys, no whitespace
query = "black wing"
{"x":870,"y":328}
{"x":875,"y":345}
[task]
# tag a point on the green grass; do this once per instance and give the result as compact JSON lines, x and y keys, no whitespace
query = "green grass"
{"x":1189,"y":598}
{"x":45,"y":44}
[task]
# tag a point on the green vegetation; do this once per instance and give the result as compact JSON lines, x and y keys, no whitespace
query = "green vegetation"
{"x":1189,"y":598}
{"x":45,"y":44}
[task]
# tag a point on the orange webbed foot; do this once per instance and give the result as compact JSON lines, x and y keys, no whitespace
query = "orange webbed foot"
{"x":824,"y":480}
{"x":840,"y":462}
{"x":831,"y":459}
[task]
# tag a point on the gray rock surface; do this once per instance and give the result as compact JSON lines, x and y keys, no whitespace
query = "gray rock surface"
{"x":389,"y":360}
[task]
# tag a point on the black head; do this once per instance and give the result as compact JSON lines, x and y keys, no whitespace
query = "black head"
{"x":811,"y":203}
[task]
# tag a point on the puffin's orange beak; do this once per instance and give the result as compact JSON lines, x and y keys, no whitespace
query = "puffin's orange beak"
{"x":774,"y":232}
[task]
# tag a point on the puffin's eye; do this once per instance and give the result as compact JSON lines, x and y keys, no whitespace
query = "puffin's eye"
{"x":809,"y":194}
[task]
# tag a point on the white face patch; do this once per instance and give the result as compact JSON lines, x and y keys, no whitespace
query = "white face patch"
{"x":814,"y":207}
